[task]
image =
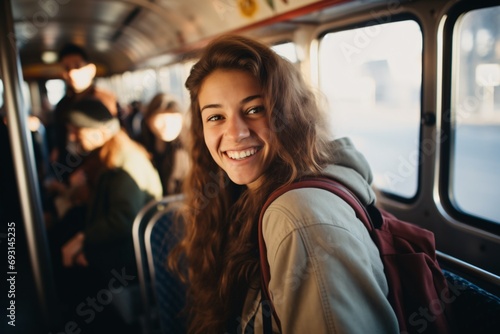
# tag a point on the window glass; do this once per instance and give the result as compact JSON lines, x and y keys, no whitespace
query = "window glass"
{"x":26,"y":97}
{"x":286,"y":50}
{"x":172,"y":79}
{"x":371,"y":77}
{"x":149,"y":84}
{"x":56,"y":88}
{"x":1,"y":93}
{"x":475,"y":106}
{"x":140,"y":85}
{"x":119,"y":85}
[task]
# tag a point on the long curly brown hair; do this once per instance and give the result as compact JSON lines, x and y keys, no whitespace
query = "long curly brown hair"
{"x":219,"y":244}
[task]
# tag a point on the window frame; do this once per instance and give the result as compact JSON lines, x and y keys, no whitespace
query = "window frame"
{"x":446,"y":147}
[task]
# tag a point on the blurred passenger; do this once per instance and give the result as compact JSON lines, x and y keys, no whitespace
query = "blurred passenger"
{"x":133,"y":121}
{"x":79,"y":74}
{"x":162,"y":136}
{"x":121,"y":180}
{"x":10,"y":208}
{"x":40,"y":150}
{"x":66,"y":187}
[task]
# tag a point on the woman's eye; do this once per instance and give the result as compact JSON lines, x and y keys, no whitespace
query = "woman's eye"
{"x":255,"y":110}
{"x":214,"y":118}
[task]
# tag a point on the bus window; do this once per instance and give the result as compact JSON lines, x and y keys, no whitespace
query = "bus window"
{"x":286,"y":50}
{"x":171,"y":80}
{"x":26,"y":96}
{"x":140,"y":85}
{"x":149,"y":84}
{"x":372,"y":79}
{"x":475,"y":106}
{"x":1,"y":94}
{"x":56,"y":88}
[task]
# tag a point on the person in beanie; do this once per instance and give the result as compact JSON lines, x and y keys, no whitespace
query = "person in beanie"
{"x":79,"y":73}
{"x":121,"y":180}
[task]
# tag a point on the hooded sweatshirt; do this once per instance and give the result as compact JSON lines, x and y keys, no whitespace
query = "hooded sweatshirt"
{"x":326,"y":272}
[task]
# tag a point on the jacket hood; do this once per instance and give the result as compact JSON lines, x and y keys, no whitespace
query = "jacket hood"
{"x":351,"y":168}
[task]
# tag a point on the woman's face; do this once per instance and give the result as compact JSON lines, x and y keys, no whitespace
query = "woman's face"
{"x":236,"y":125}
{"x":166,"y":126}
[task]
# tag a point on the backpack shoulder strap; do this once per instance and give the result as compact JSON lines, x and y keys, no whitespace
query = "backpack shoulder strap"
{"x":311,"y":182}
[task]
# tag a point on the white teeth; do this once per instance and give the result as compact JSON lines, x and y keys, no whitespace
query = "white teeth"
{"x":238,"y":155}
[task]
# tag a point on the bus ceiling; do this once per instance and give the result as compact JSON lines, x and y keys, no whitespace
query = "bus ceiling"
{"x":122,"y":35}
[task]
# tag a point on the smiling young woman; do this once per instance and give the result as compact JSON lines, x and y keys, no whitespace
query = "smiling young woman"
{"x":236,"y":126}
{"x":255,"y":126}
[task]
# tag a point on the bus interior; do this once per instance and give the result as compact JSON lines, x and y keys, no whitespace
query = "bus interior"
{"x":414,"y":84}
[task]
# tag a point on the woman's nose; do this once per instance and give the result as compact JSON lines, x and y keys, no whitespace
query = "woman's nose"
{"x":237,"y":128}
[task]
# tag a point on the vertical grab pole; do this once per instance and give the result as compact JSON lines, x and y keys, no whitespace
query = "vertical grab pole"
{"x":22,"y":150}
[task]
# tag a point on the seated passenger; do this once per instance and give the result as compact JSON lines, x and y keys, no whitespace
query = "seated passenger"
{"x":121,"y":180}
{"x":162,"y":137}
{"x":256,"y":126}
{"x":79,"y":74}
{"x":132,"y":121}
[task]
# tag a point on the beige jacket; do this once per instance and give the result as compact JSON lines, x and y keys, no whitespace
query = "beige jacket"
{"x":326,"y":273}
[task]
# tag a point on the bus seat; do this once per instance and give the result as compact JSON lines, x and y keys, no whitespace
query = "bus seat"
{"x":148,"y":312}
{"x":168,"y":290}
{"x":474,"y":309}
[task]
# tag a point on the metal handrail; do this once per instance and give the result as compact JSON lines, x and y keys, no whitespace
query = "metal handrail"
{"x":468,"y":268}
{"x":24,"y":163}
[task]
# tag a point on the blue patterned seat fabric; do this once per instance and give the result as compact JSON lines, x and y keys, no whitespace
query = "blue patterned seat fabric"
{"x":169,"y":291}
{"x":474,"y":309}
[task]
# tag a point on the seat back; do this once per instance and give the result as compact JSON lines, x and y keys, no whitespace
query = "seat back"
{"x":168,"y":290}
{"x":138,"y":233}
{"x":474,"y":296}
{"x":475,"y":310}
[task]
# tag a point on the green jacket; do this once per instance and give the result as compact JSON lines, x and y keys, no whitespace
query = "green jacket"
{"x":118,"y":196}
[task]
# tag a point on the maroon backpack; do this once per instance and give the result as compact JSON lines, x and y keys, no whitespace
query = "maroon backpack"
{"x":418,"y":291}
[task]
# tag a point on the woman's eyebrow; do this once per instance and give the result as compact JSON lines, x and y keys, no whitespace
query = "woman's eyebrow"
{"x":215,"y":105}
{"x":250,"y":98}
{"x":245,"y":100}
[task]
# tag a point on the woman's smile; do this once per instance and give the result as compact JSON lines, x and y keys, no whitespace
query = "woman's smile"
{"x":242,"y":154}
{"x":236,"y":124}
